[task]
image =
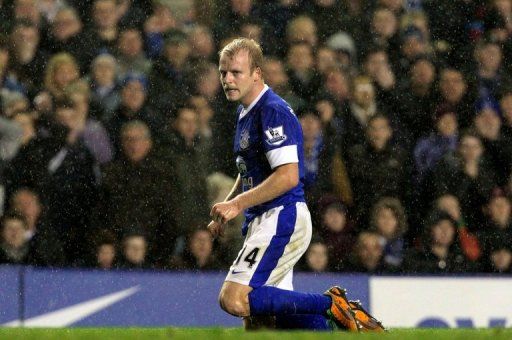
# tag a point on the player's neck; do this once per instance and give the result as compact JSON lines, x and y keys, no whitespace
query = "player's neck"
{"x":255,"y":92}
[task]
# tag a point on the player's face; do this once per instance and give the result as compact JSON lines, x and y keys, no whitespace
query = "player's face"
{"x":237,"y":79}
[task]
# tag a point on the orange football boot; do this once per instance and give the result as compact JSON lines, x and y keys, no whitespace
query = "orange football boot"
{"x":340,"y":313}
{"x":365,"y":322}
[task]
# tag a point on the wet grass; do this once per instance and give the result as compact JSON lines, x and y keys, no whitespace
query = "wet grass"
{"x":237,"y":333}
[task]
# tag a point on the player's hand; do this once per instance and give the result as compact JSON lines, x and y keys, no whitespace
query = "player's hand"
{"x":216,"y":229}
{"x":224,"y":212}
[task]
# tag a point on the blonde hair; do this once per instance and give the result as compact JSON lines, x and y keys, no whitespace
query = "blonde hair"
{"x":244,"y":44}
{"x":54,"y":64}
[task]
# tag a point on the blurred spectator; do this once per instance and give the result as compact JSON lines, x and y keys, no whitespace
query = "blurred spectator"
{"x":430,"y":150}
{"x":198,"y":254}
{"x":276,"y":78}
{"x":61,"y":71}
{"x":103,"y":33}
{"x":363,"y":106}
{"x":205,"y":80}
{"x":316,"y":259}
{"x":45,"y":247}
{"x":302,"y":29}
{"x":383,"y":33}
{"x":377,"y":66}
{"x":466,"y":174}
{"x":160,"y":23}
{"x":389,"y":221}
{"x":73,"y":113}
{"x":303,"y":78}
{"x":130,"y":56}
{"x":368,"y":255}
{"x":490,"y":77}
{"x":413,"y":45}
{"x":440,"y":253}
{"x":324,"y":166}
{"x":105,"y":251}
{"x":202,"y":46}
{"x":336,"y":85}
{"x":105,"y":92}
{"x":454,"y":91}
{"x":131,"y":195}
{"x":498,"y":223}
{"x":190,"y":157}
{"x":325,"y":58}
{"x":345,"y":50}
{"x":498,"y":150}
{"x":134,"y":251}
{"x":417,"y":99}
{"x":468,"y":240}
{"x":14,"y":248}
{"x":66,"y":35}
{"x":133,"y":106}
{"x":338,"y":233}
{"x":313,"y":145}
{"x":26,"y":59}
{"x":376,"y":168}
{"x":500,"y":258}
{"x":169,"y":77}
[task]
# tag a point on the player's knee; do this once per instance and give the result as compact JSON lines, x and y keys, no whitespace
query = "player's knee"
{"x":234,"y":304}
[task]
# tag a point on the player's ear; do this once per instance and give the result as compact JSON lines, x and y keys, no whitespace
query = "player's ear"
{"x":259,"y":73}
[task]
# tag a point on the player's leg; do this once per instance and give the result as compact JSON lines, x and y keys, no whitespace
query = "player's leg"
{"x":234,"y":298}
{"x":299,"y":321}
{"x":274,"y":244}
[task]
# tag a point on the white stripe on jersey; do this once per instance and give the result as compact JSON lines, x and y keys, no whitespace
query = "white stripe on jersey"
{"x":283,"y":155}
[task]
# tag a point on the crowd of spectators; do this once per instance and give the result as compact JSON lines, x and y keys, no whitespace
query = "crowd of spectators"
{"x":116,"y":138}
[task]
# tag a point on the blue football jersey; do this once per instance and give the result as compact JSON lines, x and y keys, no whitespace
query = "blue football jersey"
{"x":268,"y":134}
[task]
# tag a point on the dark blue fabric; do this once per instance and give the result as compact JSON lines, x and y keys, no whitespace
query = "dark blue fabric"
{"x":284,"y":230}
{"x":271,"y":124}
{"x":302,"y":321}
{"x":275,"y":301}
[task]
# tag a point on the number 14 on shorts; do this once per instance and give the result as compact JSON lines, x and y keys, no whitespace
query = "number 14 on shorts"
{"x":250,"y":258}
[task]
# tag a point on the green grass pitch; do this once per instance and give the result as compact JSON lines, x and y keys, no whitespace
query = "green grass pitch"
{"x":238,"y":333}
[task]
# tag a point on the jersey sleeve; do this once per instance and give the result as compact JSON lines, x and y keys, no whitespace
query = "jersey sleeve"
{"x":281,"y":136}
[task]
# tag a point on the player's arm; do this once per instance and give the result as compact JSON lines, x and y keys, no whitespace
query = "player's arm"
{"x":215,"y":228}
{"x":284,"y":178}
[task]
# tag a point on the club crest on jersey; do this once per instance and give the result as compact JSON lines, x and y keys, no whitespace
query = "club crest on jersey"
{"x":244,"y":140}
{"x":275,"y":136}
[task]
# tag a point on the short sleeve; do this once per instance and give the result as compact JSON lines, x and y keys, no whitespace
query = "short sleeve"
{"x":281,"y":136}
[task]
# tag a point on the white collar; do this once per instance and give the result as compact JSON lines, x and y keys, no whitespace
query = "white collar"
{"x":249,"y":108}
